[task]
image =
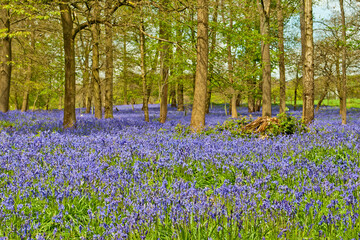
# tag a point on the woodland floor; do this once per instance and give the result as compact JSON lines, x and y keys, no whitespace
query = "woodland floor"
{"x":128,"y":179}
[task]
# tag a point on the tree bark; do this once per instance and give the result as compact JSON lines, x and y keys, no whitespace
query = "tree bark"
{"x":126,"y":102}
{"x":338,"y":77}
{"x":150,"y":81}
{"x":173,"y":95}
{"x":87,"y":83}
{"x":323,"y":95}
{"x":180,"y":96}
{"x":17,"y":103}
{"x":343,"y":65}
{"x":264,"y":11}
{"x":95,"y":30}
{"x":109,"y":73}
{"x":251,"y":94}
{"x":297,"y":79}
{"x":308,"y":77}
{"x":5,"y":61}
{"x":34,"y":104}
{"x":25,"y":101}
{"x":85,"y":73}
{"x":238,"y":100}
{"x":303,"y":42}
{"x":280,"y":19}
{"x":211,"y":54}
{"x":198,"y":110}
{"x":143,"y":72}
{"x":69,"y":50}
{"x":180,"y":71}
{"x":164,"y":33}
{"x":234,"y":113}
{"x":86,"y":79}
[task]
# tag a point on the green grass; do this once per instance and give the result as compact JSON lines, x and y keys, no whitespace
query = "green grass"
{"x":350,"y":103}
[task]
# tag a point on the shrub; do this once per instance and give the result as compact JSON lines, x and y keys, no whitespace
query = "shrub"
{"x":247,"y":127}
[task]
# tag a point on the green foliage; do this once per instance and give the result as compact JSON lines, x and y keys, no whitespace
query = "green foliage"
{"x":234,"y":126}
{"x":287,"y":125}
{"x":283,"y":124}
{"x":5,"y":124}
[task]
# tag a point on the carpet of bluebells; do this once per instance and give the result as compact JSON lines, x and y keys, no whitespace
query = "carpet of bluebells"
{"x":128,"y":179}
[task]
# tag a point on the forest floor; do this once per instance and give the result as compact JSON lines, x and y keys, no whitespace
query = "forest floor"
{"x":124,"y":178}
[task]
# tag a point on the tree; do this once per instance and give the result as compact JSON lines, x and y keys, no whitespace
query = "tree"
{"x":164,"y":33}
{"x":199,"y":104}
{"x":180,"y":70}
{"x":29,"y":74}
{"x":95,"y":31}
{"x":125,"y":69}
{"x":308,"y":70}
{"x":143,"y":70}
{"x":5,"y":60}
{"x":280,"y":19}
{"x":212,"y":55}
{"x":264,"y":12}
{"x":69,"y":49}
{"x":69,"y":34}
{"x":85,"y":68}
{"x":11,"y":13}
{"x":234,"y":113}
{"x":343,"y":65}
{"x":109,"y":72}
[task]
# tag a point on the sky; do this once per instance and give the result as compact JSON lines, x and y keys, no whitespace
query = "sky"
{"x":322,"y":11}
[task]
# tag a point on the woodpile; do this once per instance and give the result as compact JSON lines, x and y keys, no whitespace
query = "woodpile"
{"x":260,"y":124}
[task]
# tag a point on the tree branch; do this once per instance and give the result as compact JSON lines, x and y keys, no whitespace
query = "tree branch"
{"x":93,"y":21}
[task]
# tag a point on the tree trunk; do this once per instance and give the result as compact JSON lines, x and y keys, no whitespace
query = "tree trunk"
{"x":338,"y":77}
{"x":232,"y":108}
{"x":264,"y":10}
{"x":143,"y":72}
{"x":95,"y":30}
{"x":69,"y":50}
{"x":251,"y":94}
{"x":85,"y":72}
{"x":34,"y":104}
{"x":198,"y":110}
{"x":180,"y":71}
{"x":251,"y":104}
{"x":109,"y":73}
{"x":17,"y":103}
{"x":173,"y":95}
{"x":180,"y":96}
{"x":297,"y":79}
{"x":89,"y":94}
{"x":5,"y":61}
{"x":343,"y":65}
{"x":86,"y":78}
{"x":47,"y":103}
{"x":258,"y":105}
{"x":303,"y":42}
{"x":126,"y":102}
{"x":234,"y":113}
{"x":323,"y":95}
{"x":25,"y":102}
{"x":211,"y":55}
{"x":152,"y":72}
{"x":238,"y":100}
{"x":308,"y":77}
{"x":164,"y":33}
{"x":280,"y":19}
